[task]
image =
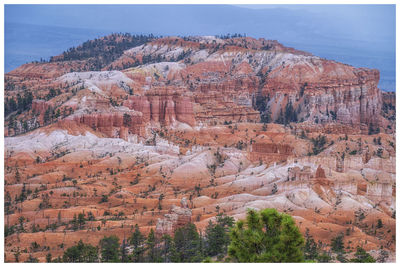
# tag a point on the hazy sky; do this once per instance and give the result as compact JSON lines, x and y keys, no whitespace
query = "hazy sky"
{"x":363,"y":21}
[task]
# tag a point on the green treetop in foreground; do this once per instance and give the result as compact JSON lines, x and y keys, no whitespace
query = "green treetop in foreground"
{"x":266,"y":236}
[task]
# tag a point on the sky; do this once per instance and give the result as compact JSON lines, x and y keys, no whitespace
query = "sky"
{"x":360,"y":35}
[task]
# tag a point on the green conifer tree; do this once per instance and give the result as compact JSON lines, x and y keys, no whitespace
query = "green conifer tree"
{"x":137,"y":241}
{"x":266,"y":236}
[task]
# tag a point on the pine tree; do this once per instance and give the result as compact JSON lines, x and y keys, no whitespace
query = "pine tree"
{"x":124,"y":251}
{"x":379,"y":224}
{"x":266,"y":236}
{"x":281,"y":119}
{"x":16,"y":255}
{"x":167,"y":249}
{"x":81,"y":253}
{"x":48,"y":257}
{"x":126,"y":119}
{"x":137,"y":241}
{"x":46,"y":117}
{"x":75,"y":224}
{"x":217,"y":235}
{"x":362,"y":256}
{"x":151,"y":247}
{"x":32,"y":259}
{"x":110,"y":249}
{"x":81,"y":220}
{"x":17,"y":176}
{"x":337,"y":244}
{"x":290,"y":113}
{"x":187,"y":244}
{"x":310,"y":247}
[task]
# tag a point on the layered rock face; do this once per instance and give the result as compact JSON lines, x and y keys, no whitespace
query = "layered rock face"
{"x":115,"y":125}
{"x":389,"y":108}
{"x":329,"y":128}
{"x":297,"y":174}
{"x":164,"y":109}
{"x":322,"y":184}
{"x":320,"y":173}
{"x":42,"y":71}
{"x":227,"y":76}
{"x":380,"y":191}
{"x":269,"y":152}
{"x":212,"y":81}
{"x":40,"y":106}
{"x":139,"y":103}
{"x":389,"y":98}
{"x":176,"y":218}
{"x":324,"y":91}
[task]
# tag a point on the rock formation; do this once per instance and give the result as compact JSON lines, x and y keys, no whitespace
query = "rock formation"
{"x":176,"y":218}
{"x":118,"y":124}
{"x":268,"y":152}
{"x":297,"y":174}
{"x":40,"y":106}
{"x":164,"y":109}
{"x":380,"y":191}
{"x":320,"y":173}
{"x":229,"y":124}
{"x":215,"y":83}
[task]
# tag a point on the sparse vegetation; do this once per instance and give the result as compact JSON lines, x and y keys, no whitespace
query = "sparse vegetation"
{"x":288,"y":115}
{"x":102,"y":51}
{"x":362,"y":256}
{"x":318,"y":144}
{"x":126,"y":155}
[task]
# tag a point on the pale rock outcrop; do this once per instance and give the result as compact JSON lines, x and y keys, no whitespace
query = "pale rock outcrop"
{"x":176,"y":218}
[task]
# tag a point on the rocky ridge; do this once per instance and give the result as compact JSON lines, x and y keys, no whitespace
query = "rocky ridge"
{"x":227,"y":124}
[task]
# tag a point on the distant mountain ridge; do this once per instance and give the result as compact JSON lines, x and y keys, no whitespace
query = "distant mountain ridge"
{"x":362,"y":36}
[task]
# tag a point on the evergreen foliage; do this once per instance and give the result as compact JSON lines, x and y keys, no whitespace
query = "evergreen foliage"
{"x":151,"y":247}
{"x":187,"y":244}
{"x":20,"y":104}
{"x":81,"y":253}
{"x":137,"y":241}
{"x":310,"y":247}
{"x":109,"y":247}
{"x":318,"y":144}
{"x":266,"y":236}
{"x":217,"y":235}
{"x":124,"y":251}
{"x":261,"y":105}
{"x":362,"y":256}
{"x":288,"y":115}
{"x":372,"y":130}
{"x":337,"y":244}
{"x":167,"y":249}
{"x":102,"y":51}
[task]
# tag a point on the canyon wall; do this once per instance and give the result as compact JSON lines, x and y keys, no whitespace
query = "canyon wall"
{"x":118,"y":124}
{"x":163,"y":108}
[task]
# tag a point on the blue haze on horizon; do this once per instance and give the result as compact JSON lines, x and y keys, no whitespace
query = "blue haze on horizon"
{"x":359,"y":35}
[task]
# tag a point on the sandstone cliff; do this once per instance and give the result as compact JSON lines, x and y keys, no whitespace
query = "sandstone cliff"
{"x":213,"y":81}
